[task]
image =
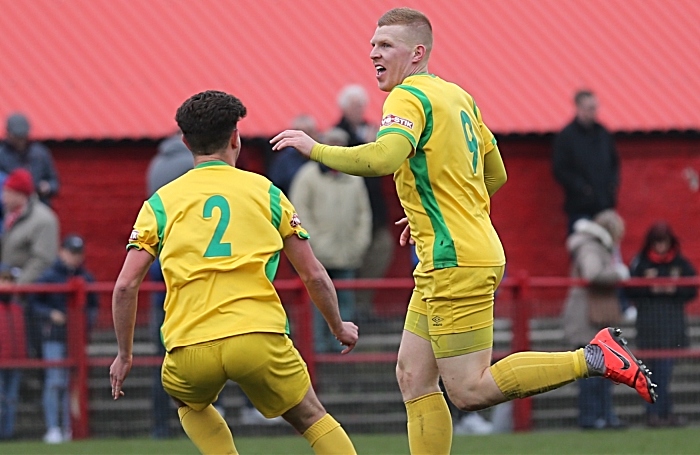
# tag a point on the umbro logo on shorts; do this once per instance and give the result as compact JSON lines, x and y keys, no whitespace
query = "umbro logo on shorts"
{"x":436,"y":320}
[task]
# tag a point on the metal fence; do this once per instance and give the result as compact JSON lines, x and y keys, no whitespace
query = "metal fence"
{"x":359,"y":389}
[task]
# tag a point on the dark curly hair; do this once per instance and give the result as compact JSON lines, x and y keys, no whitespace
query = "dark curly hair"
{"x":208,"y":119}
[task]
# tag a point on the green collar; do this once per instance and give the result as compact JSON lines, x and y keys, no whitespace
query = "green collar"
{"x":211,"y":163}
{"x":422,"y":74}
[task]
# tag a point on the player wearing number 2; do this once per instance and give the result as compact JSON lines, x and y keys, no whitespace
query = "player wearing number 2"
{"x":218,"y":232}
{"x":446,"y":166}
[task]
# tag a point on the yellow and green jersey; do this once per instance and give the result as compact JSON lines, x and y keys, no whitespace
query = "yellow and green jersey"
{"x":218,"y":232}
{"x":441,"y":186}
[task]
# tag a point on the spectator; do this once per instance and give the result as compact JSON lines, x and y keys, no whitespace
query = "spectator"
{"x":18,"y":151}
{"x":335,"y":209}
{"x":3,"y":177}
{"x":352,"y":102}
{"x":29,"y":239}
{"x":288,"y":161}
{"x":661,"y":322}
{"x":595,"y":306}
{"x":51,"y":309}
{"x":12,"y":347}
{"x":586,"y":163}
{"x":172,"y":160}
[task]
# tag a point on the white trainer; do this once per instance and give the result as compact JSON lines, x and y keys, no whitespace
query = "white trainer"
{"x":473,"y":423}
{"x":53,"y":436}
{"x":251,"y":416}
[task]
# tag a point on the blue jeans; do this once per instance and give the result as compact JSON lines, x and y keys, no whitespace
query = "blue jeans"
{"x":324,"y":340}
{"x":9,"y":396}
{"x":663,"y":371}
{"x":595,"y":403}
{"x":56,"y":398}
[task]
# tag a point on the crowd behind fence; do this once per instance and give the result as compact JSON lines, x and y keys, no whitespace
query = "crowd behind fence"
{"x":524,"y":301}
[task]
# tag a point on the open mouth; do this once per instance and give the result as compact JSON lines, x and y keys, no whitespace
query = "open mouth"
{"x":380,"y":69}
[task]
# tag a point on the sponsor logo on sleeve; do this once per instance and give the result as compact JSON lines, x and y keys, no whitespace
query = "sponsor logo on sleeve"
{"x":391,"y":119}
{"x":295,"y":221}
{"x":134,"y":235}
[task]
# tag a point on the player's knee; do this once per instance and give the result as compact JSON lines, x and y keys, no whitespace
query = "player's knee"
{"x":403,"y":376}
{"x":413,"y":382}
{"x":466,"y":400}
{"x":306,"y":413}
{"x":467,"y":404}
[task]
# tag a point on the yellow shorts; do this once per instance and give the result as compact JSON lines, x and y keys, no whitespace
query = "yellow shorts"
{"x":267,"y":367}
{"x":453,"y":308}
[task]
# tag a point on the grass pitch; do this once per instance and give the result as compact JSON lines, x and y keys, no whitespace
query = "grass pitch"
{"x":632,"y":442}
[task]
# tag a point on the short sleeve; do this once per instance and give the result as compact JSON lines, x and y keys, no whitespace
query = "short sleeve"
{"x":144,"y":236}
{"x":284,"y":216}
{"x":403,"y":113}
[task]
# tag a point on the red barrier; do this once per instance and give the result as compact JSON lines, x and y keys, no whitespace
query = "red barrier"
{"x":520,"y":286}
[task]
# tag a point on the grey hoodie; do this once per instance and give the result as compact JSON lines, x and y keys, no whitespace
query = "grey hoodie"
{"x":172,"y":161}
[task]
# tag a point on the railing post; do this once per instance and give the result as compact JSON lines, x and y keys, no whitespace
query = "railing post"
{"x":77,"y":340}
{"x":522,"y":409}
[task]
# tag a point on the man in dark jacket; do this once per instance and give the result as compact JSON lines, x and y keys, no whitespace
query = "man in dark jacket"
{"x":18,"y":151}
{"x":286,"y":163}
{"x":585,"y":163}
{"x":51,"y":309}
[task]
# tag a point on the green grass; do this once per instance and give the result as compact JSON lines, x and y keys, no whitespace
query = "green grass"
{"x":630,"y":442}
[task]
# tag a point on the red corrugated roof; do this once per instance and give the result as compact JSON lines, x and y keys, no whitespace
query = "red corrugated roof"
{"x":119,"y":68}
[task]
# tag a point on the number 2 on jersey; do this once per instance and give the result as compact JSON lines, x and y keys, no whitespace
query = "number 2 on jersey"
{"x":216,"y":248}
{"x":472,"y":143}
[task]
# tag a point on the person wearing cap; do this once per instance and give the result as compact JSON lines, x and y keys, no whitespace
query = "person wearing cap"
{"x":51,"y":310}
{"x":29,"y":242}
{"x":30,"y":228}
{"x":18,"y":151}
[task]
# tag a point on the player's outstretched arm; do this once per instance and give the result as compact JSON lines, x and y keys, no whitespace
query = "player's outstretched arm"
{"x":294,"y":138}
{"x":124,"y":301}
{"x":321,"y":290}
{"x":375,"y":159}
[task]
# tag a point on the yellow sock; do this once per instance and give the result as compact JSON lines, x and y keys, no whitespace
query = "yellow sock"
{"x":327,"y":437}
{"x":429,"y":425}
{"x":524,"y":374}
{"x":207,"y":430}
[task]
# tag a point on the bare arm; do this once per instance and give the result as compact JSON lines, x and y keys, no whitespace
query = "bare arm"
{"x":320,"y":288}
{"x":124,"y":302}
